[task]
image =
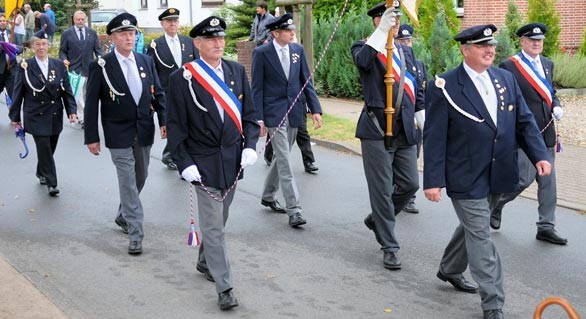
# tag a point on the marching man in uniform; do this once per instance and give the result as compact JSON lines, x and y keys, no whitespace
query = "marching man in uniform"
{"x":213,"y":133}
{"x":476,"y":120}
{"x":170,"y":51}
{"x":124,"y":87}
{"x":534,"y":73}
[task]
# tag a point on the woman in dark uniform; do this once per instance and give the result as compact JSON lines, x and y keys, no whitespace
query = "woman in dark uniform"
{"x":42,"y":91}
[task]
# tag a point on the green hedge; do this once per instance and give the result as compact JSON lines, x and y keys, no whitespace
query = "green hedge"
{"x":569,"y":70}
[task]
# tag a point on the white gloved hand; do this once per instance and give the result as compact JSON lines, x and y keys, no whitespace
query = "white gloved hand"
{"x":420,"y":118}
{"x":249,"y":157}
{"x":191,"y":174}
{"x":558,"y":113}
{"x":378,"y":39}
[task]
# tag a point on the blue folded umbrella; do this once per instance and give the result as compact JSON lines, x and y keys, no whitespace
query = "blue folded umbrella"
{"x":20,"y":134}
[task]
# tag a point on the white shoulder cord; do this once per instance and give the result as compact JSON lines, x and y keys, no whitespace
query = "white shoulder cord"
{"x":154,"y":47}
{"x":102,"y":63}
{"x":441,"y":84}
{"x":187,"y":76}
{"x":24,"y":65}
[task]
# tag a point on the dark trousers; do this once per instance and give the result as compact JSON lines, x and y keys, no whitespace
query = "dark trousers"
{"x":46,"y":146}
{"x":303,"y":141}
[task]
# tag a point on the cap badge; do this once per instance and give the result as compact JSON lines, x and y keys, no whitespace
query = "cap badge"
{"x":125,"y":22}
{"x":487,"y":31}
{"x":171,"y":11}
{"x":405,"y":32}
{"x":214,"y":22}
{"x":290,"y":21}
{"x":536,"y":30}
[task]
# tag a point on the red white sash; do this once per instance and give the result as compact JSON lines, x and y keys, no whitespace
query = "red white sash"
{"x":218,"y":89}
{"x":528,"y":72}
{"x":410,"y":83}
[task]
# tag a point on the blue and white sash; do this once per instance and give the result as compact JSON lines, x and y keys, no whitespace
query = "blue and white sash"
{"x":540,"y":84}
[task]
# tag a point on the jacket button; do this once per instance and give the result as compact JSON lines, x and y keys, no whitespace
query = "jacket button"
{"x":493,"y":159}
{"x":52,"y":102}
{"x":495,"y":140}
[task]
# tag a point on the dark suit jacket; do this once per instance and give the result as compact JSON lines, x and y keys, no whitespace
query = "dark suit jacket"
{"x":79,"y":53}
{"x":537,"y":105}
{"x":473,"y":159}
{"x":188,"y":54}
{"x":201,"y":138}
{"x":43,"y":111}
{"x":372,"y":72}
{"x":51,"y":27}
{"x":122,"y":119}
{"x":272,"y":93}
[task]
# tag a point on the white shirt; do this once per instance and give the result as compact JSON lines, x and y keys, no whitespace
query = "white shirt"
{"x":123,"y":64}
{"x":488,"y":94}
{"x":44,"y":66}
{"x":82,"y":31}
{"x":536,"y":62}
{"x":220,"y":73}
{"x":171,"y":42}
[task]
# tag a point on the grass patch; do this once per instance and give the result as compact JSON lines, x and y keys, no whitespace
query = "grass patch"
{"x":333,"y":129}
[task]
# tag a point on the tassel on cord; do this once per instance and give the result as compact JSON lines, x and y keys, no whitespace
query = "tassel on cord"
{"x":558,"y":144}
{"x":193,"y":239}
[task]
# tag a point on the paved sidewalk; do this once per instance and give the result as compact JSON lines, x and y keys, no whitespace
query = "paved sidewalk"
{"x":570,"y":164}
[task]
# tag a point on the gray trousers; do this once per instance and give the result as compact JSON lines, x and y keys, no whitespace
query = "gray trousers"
{"x":471,"y":244}
{"x":132,"y":167}
{"x":280,"y":171}
{"x":546,"y":189}
{"x":392,"y":178}
{"x":212,"y":219}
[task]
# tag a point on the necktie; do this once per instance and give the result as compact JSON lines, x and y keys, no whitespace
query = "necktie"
{"x":538,"y":67}
{"x":176,"y":51}
{"x":488,"y":95}
{"x":81,"y":38}
{"x":4,"y":36}
{"x":133,"y":80}
{"x":285,"y":61}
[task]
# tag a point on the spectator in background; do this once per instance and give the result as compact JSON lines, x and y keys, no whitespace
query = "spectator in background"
{"x":47,"y":25}
{"x":51,"y":14}
{"x":79,"y":47}
{"x":17,"y":26}
{"x":29,"y":22}
{"x":259,"y":32}
{"x":6,"y":78}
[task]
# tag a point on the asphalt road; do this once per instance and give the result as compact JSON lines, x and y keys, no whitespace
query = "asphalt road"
{"x":71,"y":250}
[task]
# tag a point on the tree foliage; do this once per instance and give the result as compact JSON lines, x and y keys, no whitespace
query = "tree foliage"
{"x":505,"y":47}
{"x":239,"y":20}
{"x":513,"y":21}
{"x":330,"y":8}
{"x":445,"y":53}
{"x":427,"y":14}
{"x":544,"y":11}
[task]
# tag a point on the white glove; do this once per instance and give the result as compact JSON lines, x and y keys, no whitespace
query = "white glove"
{"x":191,"y":174}
{"x":558,"y":113}
{"x":249,"y":157}
{"x":420,"y":118}
{"x":378,"y":39}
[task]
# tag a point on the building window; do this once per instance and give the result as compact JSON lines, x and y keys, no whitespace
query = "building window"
{"x":163,"y":3}
{"x":144,"y":4}
{"x":459,"y":4}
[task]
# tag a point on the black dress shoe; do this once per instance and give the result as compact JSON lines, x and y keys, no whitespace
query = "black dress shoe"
{"x":296,"y":220}
{"x":550,"y":235}
{"x":310,"y":167}
{"x":493,"y":314}
{"x":42,"y":180}
{"x":135,"y":247}
{"x":411,"y":208}
{"x":53,"y":191}
{"x":369,"y":222}
{"x":205,"y":272}
{"x":459,"y":283}
{"x":172,"y":166}
{"x":495,"y":218}
{"x":268,"y":161}
{"x":122,"y":223}
{"x":274,"y":206}
{"x":226,"y":300}
{"x":391,"y":260}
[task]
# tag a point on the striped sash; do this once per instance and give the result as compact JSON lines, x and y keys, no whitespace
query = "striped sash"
{"x":527,"y":70}
{"x":218,"y":89}
{"x":410,"y":83}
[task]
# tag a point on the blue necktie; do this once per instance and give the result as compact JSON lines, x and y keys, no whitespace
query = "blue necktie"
{"x":133,"y":80}
{"x":81,"y":38}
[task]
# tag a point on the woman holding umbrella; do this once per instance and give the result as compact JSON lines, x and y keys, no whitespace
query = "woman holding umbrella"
{"x":42,"y":91}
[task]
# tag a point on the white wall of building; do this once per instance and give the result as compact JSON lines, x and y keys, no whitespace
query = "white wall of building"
{"x":191,"y":11}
